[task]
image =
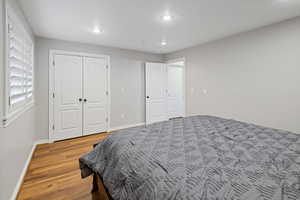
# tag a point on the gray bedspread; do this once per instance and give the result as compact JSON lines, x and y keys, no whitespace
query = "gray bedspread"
{"x":199,"y":157}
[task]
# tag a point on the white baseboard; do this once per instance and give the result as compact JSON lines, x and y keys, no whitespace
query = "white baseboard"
{"x":23,"y":173}
{"x":43,"y":141}
{"x":24,"y":170}
{"x":126,"y":126}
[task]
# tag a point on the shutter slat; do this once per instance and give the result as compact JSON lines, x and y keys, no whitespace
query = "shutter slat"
{"x":20,"y":63}
{"x":18,"y":95}
{"x":16,"y":58}
{"x":17,"y":78}
{"x":17,"y":51}
{"x":17,"y":100}
{"x":17,"y":87}
{"x":16,"y":61}
{"x":20,"y":69}
{"x":16,"y":72}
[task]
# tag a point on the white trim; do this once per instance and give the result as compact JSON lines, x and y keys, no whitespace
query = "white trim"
{"x":25,"y":168}
{"x":16,"y":114}
{"x":184,"y":79}
{"x":52,"y":53}
{"x":43,"y":141}
{"x":176,"y":60}
{"x":50,"y":97}
{"x":5,"y":92}
{"x":23,"y":173}
{"x":126,"y":126}
{"x":75,"y":53}
{"x":109,"y":93}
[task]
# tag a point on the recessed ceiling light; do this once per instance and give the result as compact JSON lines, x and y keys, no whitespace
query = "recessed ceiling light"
{"x":97,"y":30}
{"x":167,"y":17}
{"x":163,"y":43}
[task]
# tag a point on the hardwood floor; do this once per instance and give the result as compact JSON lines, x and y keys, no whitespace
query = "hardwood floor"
{"x":54,"y":172}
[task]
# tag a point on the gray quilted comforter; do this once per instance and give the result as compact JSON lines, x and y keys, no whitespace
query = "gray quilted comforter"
{"x":199,"y":157}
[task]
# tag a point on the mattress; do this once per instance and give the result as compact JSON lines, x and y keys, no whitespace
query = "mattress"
{"x":198,"y":157}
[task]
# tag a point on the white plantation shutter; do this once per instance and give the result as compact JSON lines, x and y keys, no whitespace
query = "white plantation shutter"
{"x":28,"y":60}
{"x":20,"y":49}
{"x":16,"y":68}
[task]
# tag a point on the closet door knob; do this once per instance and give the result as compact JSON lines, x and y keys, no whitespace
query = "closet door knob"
{"x":84,"y":100}
{"x":80,"y":99}
{"x":147,"y":97}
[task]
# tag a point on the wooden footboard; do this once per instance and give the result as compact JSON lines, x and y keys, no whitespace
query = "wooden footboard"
{"x":99,"y":187}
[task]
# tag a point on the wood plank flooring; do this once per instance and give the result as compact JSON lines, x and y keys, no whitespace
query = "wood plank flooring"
{"x":54,"y":172}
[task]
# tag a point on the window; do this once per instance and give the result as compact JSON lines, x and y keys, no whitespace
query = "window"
{"x":19,"y":68}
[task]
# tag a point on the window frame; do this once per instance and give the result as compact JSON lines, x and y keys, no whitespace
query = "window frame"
{"x":12,"y":114}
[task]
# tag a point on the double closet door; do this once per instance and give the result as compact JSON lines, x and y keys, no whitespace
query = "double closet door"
{"x":80,"y":96}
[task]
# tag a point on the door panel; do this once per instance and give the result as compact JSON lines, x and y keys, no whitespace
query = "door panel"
{"x":95,"y":87}
{"x":156,"y":81}
{"x":175,"y":91}
{"x":68,"y":90}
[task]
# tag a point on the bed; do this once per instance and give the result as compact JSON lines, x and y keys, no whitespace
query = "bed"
{"x":198,"y":157}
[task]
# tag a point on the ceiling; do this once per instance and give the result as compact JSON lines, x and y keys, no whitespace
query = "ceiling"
{"x":139,"y":25}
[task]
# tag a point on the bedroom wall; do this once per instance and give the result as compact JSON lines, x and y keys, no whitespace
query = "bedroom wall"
{"x":252,"y":77}
{"x":16,"y":140}
{"x":127,"y":81}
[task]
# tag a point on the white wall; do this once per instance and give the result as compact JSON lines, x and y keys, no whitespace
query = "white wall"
{"x":17,"y":139}
{"x":127,"y":81}
{"x":253,"y":77}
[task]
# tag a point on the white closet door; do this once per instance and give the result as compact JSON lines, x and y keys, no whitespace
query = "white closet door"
{"x":175,"y":91}
{"x":156,"y":90}
{"x":68,"y":92}
{"x":95,"y":95}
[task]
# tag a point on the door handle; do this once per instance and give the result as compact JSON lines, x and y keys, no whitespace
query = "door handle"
{"x":80,"y":99}
{"x":84,"y":100}
{"x":147,"y":97}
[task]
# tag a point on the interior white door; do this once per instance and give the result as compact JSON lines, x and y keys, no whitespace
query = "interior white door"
{"x":95,"y":95}
{"x":156,"y":89}
{"x":68,"y":95}
{"x":175,"y":91}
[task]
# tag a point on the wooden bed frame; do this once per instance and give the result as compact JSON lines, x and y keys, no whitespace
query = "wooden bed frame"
{"x":99,"y":187}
